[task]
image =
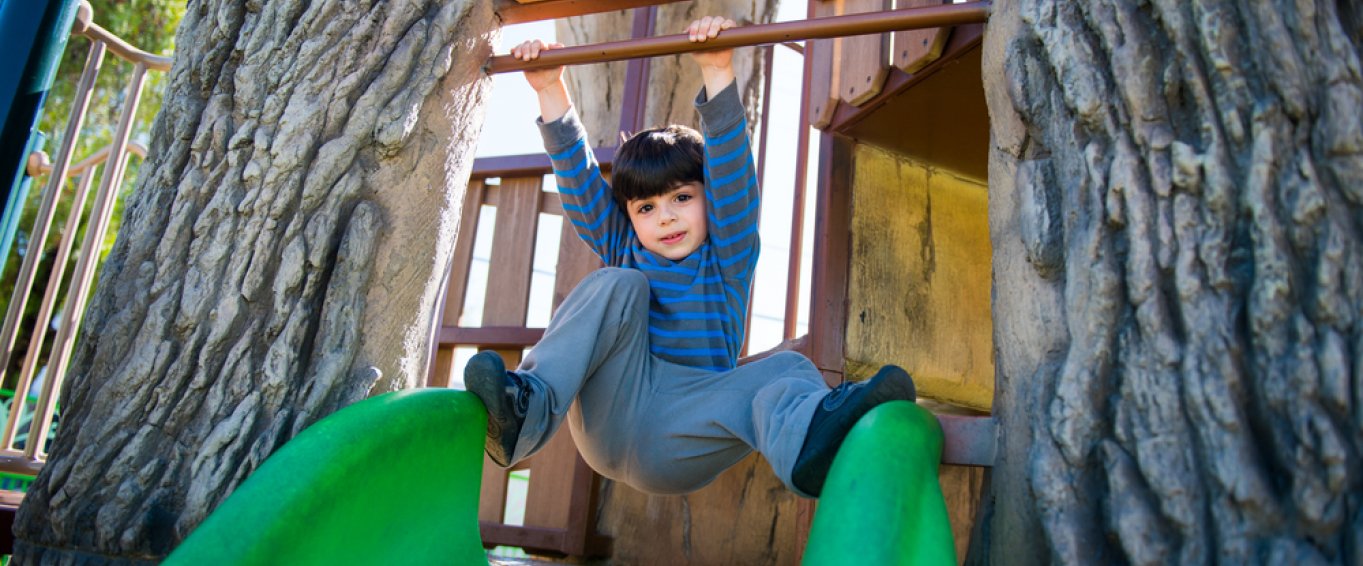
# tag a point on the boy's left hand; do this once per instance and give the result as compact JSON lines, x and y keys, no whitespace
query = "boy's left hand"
{"x":703,"y":29}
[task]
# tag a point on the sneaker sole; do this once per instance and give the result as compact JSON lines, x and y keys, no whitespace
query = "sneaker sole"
{"x":483,"y":376}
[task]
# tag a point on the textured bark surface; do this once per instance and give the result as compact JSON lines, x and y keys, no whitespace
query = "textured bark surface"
{"x":746,"y":516}
{"x":280,"y":259}
{"x":1176,"y":191}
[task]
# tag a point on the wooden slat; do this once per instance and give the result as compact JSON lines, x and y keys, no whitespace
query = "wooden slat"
{"x":558,"y":472}
{"x":551,"y":481}
{"x":492,"y":497}
{"x":865,"y":59}
{"x":507,"y":298}
{"x":513,"y":245}
{"x":575,"y":261}
{"x":551,"y":203}
{"x":456,"y":287}
{"x":915,"y":49}
{"x":960,"y":43}
{"x":832,"y":249}
{"x":534,"y":538}
{"x":823,"y":53}
{"x":494,"y":337}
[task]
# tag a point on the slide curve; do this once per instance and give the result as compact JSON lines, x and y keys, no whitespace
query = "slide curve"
{"x":394,"y":478}
{"x":882,"y":503}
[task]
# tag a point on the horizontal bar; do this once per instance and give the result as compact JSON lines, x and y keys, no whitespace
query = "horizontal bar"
{"x":122,"y":48}
{"x":513,"y":12}
{"x":532,"y":538}
{"x":763,"y":34}
{"x":15,"y":462}
{"x":529,"y":164}
{"x":490,"y":336}
{"x":40,"y":164}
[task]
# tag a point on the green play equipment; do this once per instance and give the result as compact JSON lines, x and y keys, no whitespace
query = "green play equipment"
{"x":392,"y":478}
{"x":396,"y":479}
{"x":882,"y":503}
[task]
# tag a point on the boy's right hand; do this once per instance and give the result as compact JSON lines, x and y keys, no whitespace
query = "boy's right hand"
{"x":541,"y":78}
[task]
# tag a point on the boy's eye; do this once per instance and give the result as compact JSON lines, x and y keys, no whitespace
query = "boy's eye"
{"x":683,"y":197}
{"x":645,"y":209}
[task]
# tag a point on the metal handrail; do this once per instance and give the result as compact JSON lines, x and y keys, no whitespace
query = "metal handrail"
{"x":764,"y":34}
{"x":114,"y":157}
{"x":40,"y":164}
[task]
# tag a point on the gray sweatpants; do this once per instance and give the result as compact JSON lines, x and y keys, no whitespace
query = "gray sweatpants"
{"x":658,"y":426}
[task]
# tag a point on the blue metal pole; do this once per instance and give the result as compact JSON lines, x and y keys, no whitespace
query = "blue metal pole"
{"x":33,"y":37}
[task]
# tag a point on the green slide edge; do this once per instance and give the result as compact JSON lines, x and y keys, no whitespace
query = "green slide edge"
{"x":391,"y":478}
{"x":882,"y":503}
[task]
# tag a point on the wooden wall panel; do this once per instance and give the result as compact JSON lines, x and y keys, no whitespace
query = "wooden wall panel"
{"x":920,"y":278}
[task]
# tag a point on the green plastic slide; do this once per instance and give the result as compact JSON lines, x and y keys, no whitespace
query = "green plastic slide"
{"x":395,"y":479}
{"x":882,"y":503}
{"x":392,"y":479}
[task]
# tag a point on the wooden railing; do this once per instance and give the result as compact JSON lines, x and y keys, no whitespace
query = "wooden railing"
{"x":112,"y":161}
{"x":558,"y":509}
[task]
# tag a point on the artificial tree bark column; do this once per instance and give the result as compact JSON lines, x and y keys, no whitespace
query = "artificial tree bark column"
{"x":279,"y":259}
{"x":1176,"y":195}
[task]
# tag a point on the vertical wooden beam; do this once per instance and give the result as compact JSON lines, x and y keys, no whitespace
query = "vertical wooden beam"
{"x":637,"y":72}
{"x":507,"y":299}
{"x":456,"y":283}
{"x":828,"y":290}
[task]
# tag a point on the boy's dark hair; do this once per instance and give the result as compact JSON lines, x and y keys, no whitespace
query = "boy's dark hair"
{"x":655,"y":161}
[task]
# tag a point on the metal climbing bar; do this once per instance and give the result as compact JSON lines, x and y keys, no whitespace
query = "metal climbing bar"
{"x":763,"y":34}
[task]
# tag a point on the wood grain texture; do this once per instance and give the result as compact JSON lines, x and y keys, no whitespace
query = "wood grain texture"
{"x":916,"y":48}
{"x":744,"y":517}
{"x":864,"y":60}
{"x":826,"y":55}
{"x":920,"y":278}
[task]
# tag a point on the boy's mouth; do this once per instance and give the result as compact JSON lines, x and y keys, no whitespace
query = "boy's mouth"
{"x":673,"y":238}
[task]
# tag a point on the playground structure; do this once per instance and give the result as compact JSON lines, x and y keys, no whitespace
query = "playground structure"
{"x":932,"y":79}
{"x":424,"y":501}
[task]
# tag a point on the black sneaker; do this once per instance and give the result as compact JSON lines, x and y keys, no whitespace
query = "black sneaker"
{"x":841,"y":409}
{"x":506,"y":397}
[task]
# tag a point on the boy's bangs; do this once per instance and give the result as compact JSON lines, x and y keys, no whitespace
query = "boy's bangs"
{"x":656,"y":161}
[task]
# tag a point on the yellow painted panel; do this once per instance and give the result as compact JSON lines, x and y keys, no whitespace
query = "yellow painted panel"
{"x":919,"y":292}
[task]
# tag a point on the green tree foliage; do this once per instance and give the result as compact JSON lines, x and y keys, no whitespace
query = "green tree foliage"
{"x":147,"y":24}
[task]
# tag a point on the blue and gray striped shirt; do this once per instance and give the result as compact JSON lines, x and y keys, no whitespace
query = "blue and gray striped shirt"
{"x":698,"y":305}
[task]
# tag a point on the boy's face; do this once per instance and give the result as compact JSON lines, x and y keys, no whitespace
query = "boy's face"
{"x":672,"y":224}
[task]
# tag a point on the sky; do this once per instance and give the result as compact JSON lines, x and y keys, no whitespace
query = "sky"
{"x":509,"y":129}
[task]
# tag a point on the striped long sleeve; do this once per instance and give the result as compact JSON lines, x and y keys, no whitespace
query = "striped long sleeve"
{"x":586,"y":196}
{"x":697,"y":304}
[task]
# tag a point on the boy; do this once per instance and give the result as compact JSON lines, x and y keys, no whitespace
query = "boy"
{"x":640,"y":357}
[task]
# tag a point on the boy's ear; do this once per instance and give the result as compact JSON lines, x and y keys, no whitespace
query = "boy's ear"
{"x":624,"y":136}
